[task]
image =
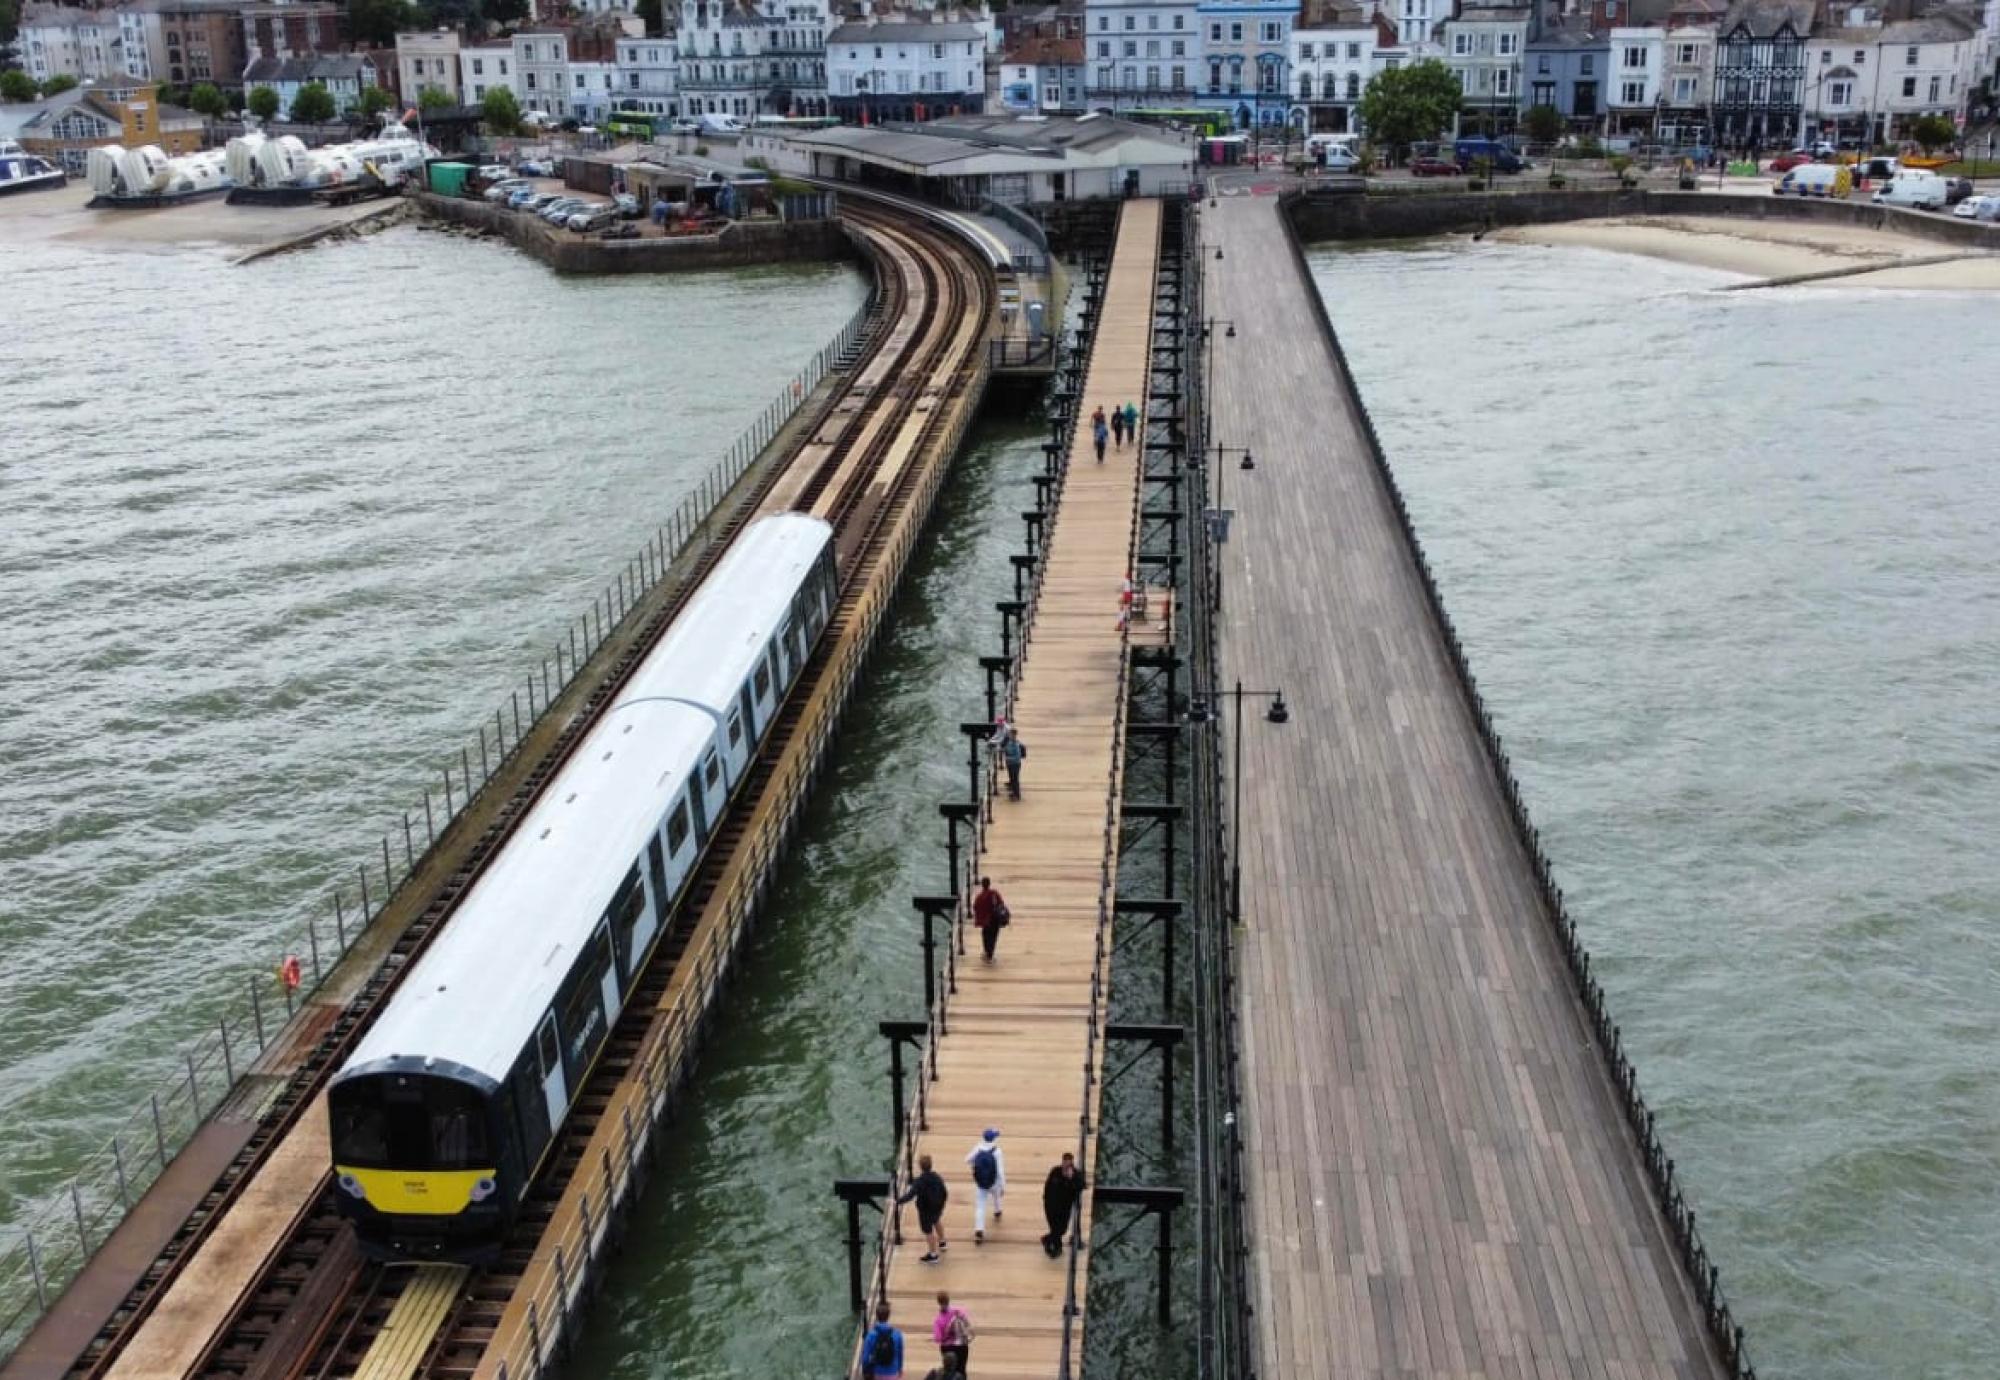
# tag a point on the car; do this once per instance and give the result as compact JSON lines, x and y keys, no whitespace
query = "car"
{"x":1785,"y":162}
{"x":1883,"y":168}
{"x":493,"y":172}
{"x":685,"y":127}
{"x":1978,"y":208}
{"x":1502,"y":157}
{"x":1434,"y":166}
{"x":600,"y":216}
{"x":628,"y":206}
{"x":522,"y":196}
{"x":500,"y":191}
{"x":535,"y":167}
{"x":554,"y":211}
{"x":535,"y":201}
{"x":1956,"y":190}
{"x":1918,"y":188}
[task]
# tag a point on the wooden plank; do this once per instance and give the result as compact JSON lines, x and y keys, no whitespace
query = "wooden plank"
{"x":413,"y":1322}
{"x":1441,"y":1179}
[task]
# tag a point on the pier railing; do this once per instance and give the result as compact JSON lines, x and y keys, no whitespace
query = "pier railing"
{"x":1703,"y":1275}
{"x":50,"y":1244}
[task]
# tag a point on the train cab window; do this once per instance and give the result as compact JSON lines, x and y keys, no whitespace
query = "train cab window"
{"x":735,"y":729}
{"x":628,"y":908}
{"x":677,"y":829}
{"x":711,"y":770}
{"x":547,"y":1050}
{"x":360,"y":1128}
{"x":458,"y":1127}
{"x":763,"y":680}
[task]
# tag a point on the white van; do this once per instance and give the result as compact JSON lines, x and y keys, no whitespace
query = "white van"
{"x":1815,"y":179}
{"x":1917,"y":187}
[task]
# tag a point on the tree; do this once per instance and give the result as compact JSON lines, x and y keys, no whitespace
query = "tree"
{"x":58,"y":84}
{"x":500,"y":111}
{"x":313,"y":105}
{"x":505,"y":13}
{"x":1933,"y":132}
{"x":207,"y":99}
{"x":374,"y":100}
{"x":1406,"y":104}
{"x":16,"y":85}
{"x":434,"y":98}
{"x":649,"y":12}
{"x":1544,"y":123}
{"x":10,"y":21}
{"x":263,"y":103}
{"x":376,"y":22}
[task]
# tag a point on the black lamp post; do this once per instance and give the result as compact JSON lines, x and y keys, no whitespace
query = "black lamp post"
{"x":1216,"y":519}
{"x":1204,"y":710}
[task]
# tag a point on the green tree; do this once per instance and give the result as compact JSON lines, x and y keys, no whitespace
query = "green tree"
{"x":649,"y":11}
{"x":207,"y":99}
{"x":1407,"y":104}
{"x":10,"y":21}
{"x":376,"y":22}
{"x":1933,"y":132}
{"x":504,"y":13}
{"x":374,"y":100}
{"x":16,"y":85}
{"x":313,"y":105}
{"x":1544,"y":123}
{"x":263,"y":103}
{"x":434,"y":98}
{"x":58,"y":84}
{"x":500,"y":111}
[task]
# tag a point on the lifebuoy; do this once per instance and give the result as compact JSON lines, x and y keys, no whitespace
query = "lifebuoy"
{"x":288,"y":973}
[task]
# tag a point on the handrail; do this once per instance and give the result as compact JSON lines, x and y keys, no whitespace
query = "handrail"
{"x":1702,"y":1273}
{"x":51,"y":1244}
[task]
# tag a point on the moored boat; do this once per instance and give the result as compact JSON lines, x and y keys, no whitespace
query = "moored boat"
{"x":21,"y":171}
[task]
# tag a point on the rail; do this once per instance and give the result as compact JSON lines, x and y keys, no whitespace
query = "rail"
{"x":1703,"y":1274}
{"x":51,"y":1243}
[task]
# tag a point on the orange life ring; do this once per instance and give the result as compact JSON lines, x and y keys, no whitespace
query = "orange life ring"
{"x":288,"y":973}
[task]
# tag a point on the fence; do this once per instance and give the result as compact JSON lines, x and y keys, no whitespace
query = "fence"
{"x":56,"y":1239}
{"x":1703,"y":1273}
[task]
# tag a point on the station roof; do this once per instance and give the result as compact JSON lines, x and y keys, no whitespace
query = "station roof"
{"x":972,"y":145}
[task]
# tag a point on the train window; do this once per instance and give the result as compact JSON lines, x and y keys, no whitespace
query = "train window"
{"x":677,"y":828}
{"x":628,"y":907}
{"x":711,"y":769}
{"x":656,"y":859}
{"x":583,"y":1015}
{"x":763,"y":680}
{"x":360,"y":1128}
{"x":458,"y":1127}
{"x":549,"y":1052}
{"x":735,"y":729}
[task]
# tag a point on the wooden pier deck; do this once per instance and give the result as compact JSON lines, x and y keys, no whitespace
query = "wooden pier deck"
{"x":1442,"y":1182}
{"x":1015,"y":1053}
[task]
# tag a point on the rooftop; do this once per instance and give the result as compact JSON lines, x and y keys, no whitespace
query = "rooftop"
{"x":1041,"y":51}
{"x":307,"y":69}
{"x":904,"y":31}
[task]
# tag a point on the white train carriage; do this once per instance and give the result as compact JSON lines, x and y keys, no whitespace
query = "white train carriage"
{"x":444,"y":1112}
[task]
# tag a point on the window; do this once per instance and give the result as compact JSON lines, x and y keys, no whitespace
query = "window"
{"x":1103,"y":22}
{"x":1236,"y":31}
{"x":1461,"y":44}
{"x":579,"y":81}
{"x":1860,"y":56}
{"x":583,"y":1015}
{"x":1152,"y":47}
{"x":530,"y":80}
{"x":1152,"y":21}
{"x":1306,"y":86}
{"x":1177,"y":20}
{"x":1214,"y":76}
{"x":1825,"y":56}
{"x":1684,"y":90}
{"x":1588,"y":66}
{"x":1152,"y":79}
{"x":1632,"y":93}
{"x":1839,"y":92}
{"x":1542,"y":64}
{"x":1503,"y":78}
{"x":479,"y":67}
{"x":1635,"y":57}
{"x":1353,"y":86}
{"x":1131,"y":78}
{"x":1936,"y":82}
{"x":1180,"y":76}
{"x":1131,"y":49}
{"x":1130,"y":24}
{"x":677,"y":828}
{"x":1271,"y":31}
{"x":1685,"y":55}
{"x":1909,"y":57}
{"x":1180,"y":49}
{"x":1353,"y":52}
{"x":1909,"y":86}
{"x":735,"y":728}
{"x":1509,"y":44}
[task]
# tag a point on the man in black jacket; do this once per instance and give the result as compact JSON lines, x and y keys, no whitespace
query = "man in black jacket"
{"x":929,"y":1193}
{"x":1060,"y":1192}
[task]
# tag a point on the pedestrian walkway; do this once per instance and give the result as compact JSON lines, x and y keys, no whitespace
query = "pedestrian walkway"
{"x":1018,"y":1041}
{"x":1441,"y":1179}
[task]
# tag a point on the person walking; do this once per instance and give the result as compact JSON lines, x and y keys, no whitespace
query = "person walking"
{"x":1132,"y":423}
{"x":929,"y":1193}
{"x":989,"y":1179}
{"x":989,"y":916}
{"x":1013,"y":752}
{"x":1060,"y":1193}
{"x":952,"y":1331}
{"x":1098,"y":432}
{"x":882,"y":1349}
{"x":1118,"y":427}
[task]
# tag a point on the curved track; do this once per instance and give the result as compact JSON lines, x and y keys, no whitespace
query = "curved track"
{"x":317,"y":1307}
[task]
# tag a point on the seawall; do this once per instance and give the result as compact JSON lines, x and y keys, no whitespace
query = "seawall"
{"x":737,"y":245}
{"x":1405,"y":215}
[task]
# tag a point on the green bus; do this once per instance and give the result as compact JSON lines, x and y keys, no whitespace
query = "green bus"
{"x":1212,"y":123}
{"x":637,"y":124}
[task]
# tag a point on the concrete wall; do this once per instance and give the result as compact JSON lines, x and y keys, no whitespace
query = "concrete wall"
{"x":1409,"y":214}
{"x":737,"y":246}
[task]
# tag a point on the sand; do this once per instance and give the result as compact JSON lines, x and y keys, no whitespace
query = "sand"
{"x":210,"y":224}
{"x":1773,"y":249}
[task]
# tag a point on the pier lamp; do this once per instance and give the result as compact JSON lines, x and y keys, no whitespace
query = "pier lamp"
{"x":1216,"y":518}
{"x":1207,"y":708}
{"x":1208,"y":337}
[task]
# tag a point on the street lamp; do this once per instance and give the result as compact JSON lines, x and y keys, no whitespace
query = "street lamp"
{"x":1216,"y":519}
{"x":1205,"y":709}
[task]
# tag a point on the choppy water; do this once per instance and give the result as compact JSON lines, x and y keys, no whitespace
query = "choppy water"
{"x":1729,"y":570}
{"x":272,"y":539}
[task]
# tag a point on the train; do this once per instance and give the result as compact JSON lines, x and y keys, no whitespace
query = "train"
{"x":442,"y":1115}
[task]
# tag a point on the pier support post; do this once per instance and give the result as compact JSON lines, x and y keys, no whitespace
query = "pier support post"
{"x":975,"y":736}
{"x":1164,"y":1038}
{"x":857,"y":1193}
{"x":957,"y":812}
{"x":934,"y":908}
{"x":1162,"y":1203}
{"x":900,"y":1033}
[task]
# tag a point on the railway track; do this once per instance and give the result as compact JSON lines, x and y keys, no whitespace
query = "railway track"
{"x":318,"y":1307}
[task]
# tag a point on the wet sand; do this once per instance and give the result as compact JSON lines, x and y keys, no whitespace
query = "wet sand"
{"x":211,"y":223}
{"x":1773,"y":249}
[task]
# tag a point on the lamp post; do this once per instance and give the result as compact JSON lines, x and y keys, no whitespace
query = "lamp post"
{"x":1204,"y":710}
{"x":1216,"y":519}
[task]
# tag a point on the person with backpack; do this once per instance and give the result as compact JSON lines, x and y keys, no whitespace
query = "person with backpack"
{"x":989,"y":916}
{"x":1013,"y":752}
{"x":1132,"y":422}
{"x":1060,"y":1193}
{"x":952,"y":1331}
{"x":989,"y":1180}
{"x":1098,"y":432}
{"x":929,"y":1193}
{"x":882,"y":1348}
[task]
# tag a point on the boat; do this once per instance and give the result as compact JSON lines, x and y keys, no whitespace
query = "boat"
{"x":269,"y":168}
{"x":21,"y":171}
{"x":146,"y":176}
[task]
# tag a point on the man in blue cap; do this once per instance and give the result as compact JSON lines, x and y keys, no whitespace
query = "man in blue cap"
{"x":989,"y":1181}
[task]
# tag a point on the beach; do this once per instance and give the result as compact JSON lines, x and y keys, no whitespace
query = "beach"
{"x":231,"y":231}
{"x":1777,"y":249}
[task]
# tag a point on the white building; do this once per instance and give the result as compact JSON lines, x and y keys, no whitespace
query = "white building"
{"x":753,"y":57}
{"x":592,"y":88}
{"x":344,"y":78}
{"x":429,"y":60}
{"x":647,"y":68}
{"x":142,"y":43}
{"x":1417,"y":21}
{"x":541,"y":71}
{"x":1141,"y":53}
{"x":1045,"y":74}
{"x":58,"y":41}
{"x":1632,"y":95}
{"x":1485,"y":48}
{"x":1332,"y":65}
{"x":906,"y":69}
{"x":1926,"y":67}
{"x":484,"y":68}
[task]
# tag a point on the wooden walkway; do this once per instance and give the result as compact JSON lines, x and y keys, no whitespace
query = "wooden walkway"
{"x":1014,"y":1057}
{"x":1441,"y":1179}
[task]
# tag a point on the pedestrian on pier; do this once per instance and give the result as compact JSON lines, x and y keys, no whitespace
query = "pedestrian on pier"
{"x":1098,"y":434}
{"x":989,"y":916}
{"x":952,"y":1331}
{"x":989,"y":1180}
{"x":1097,"y":422}
{"x":1118,"y":427}
{"x":1013,"y":752}
{"x":1132,"y":422}
{"x":882,"y":1348}
{"x":929,"y":1193}
{"x":1060,"y":1193}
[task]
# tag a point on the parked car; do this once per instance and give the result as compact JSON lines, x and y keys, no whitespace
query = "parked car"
{"x":492,"y":172}
{"x":628,"y":205}
{"x":1977,"y":208}
{"x":1503,"y":158}
{"x":600,"y":216}
{"x":1815,"y":179}
{"x":534,"y":201}
{"x":1956,"y":190}
{"x":1884,"y":168}
{"x":555,"y":210}
{"x":1434,"y":166}
{"x":1785,"y":162}
{"x":1917,"y":188}
{"x":501,"y":191}
{"x":535,"y":167}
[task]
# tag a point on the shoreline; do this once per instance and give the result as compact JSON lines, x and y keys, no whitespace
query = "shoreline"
{"x":213,"y":225}
{"x":1754,"y":249}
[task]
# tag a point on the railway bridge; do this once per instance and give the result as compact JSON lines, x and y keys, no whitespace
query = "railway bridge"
{"x":1420,"y":1149}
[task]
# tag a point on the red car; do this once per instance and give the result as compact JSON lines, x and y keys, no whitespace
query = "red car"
{"x":1434,"y":167}
{"x":1785,"y":162}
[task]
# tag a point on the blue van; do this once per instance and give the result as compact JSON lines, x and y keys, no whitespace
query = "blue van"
{"x":1504,"y":159}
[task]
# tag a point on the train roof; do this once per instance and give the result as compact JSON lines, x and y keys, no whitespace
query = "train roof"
{"x":476,"y":995}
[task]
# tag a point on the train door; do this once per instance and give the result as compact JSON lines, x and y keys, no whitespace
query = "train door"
{"x":555,"y":1090}
{"x":760,"y":679}
{"x":680,"y":843}
{"x":663,"y":898}
{"x":750,"y":709}
{"x":738,"y":755}
{"x":607,"y":982}
{"x":706,"y":777}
